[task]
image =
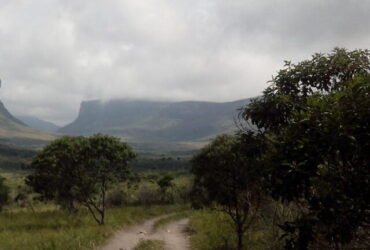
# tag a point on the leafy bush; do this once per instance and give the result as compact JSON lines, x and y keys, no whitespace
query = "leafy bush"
{"x":116,"y":198}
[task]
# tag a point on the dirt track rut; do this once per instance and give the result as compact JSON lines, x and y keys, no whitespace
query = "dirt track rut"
{"x":173,"y":234}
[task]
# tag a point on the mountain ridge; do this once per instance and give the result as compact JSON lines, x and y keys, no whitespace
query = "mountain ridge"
{"x":13,"y":131}
{"x":6,"y":114}
{"x":37,"y":123}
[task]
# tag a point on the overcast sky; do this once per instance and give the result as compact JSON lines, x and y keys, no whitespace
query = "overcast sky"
{"x":56,"y":53}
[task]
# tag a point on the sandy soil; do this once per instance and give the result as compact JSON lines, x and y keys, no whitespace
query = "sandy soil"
{"x":173,"y":234}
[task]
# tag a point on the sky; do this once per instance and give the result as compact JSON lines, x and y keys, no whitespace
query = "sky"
{"x":56,"y":53}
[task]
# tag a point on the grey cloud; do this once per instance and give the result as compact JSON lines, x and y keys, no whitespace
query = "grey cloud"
{"x":56,"y":53}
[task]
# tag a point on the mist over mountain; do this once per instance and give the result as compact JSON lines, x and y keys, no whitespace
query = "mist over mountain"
{"x":151,"y":121}
{"x":38,"y":124}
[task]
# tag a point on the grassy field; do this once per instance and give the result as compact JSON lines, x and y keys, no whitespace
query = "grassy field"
{"x":56,"y":229}
{"x":35,"y":225}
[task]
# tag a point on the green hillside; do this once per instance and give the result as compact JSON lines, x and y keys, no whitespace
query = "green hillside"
{"x":13,"y":131}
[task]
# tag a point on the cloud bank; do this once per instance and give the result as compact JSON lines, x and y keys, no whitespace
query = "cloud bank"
{"x":56,"y":53}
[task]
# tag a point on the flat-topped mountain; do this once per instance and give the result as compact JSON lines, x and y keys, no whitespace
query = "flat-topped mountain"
{"x":150,"y":121}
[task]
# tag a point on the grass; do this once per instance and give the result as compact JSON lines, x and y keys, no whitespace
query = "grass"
{"x":212,"y":230}
{"x":150,"y":245}
{"x":50,"y":230}
{"x":14,"y":179}
{"x":178,"y":216}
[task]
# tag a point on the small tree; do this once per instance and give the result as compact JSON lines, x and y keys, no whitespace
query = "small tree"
{"x":4,"y":193}
{"x":228,"y":177}
{"x":165,"y":183}
{"x":78,"y":170}
{"x":57,"y":172}
{"x":107,"y":162}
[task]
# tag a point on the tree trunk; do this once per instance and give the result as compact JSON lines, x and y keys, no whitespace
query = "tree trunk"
{"x":102,"y":211}
{"x":102,"y":216}
{"x":240,"y":241}
{"x":239,"y":233}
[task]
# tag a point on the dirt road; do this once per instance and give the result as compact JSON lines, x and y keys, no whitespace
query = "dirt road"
{"x":173,"y":234}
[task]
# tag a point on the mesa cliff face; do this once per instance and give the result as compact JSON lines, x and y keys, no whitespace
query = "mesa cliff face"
{"x":149,"y":121}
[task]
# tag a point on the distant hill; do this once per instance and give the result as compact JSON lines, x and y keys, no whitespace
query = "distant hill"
{"x":38,"y":124}
{"x":13,"y":131}
{"x":152,"y":123}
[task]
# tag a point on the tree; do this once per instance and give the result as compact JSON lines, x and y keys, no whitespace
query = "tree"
{"x":316,"y":114}
{"x":165,"y":182}
{"x":57,"y":171}
{"x":4,"y":193}
{"x":228,"y":177}
{"x":79,"y":170}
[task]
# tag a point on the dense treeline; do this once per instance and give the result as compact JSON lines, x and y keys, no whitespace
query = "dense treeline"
{"x":310,"y":152}
{"x":15,"y":158}
{"x":162,"y":164}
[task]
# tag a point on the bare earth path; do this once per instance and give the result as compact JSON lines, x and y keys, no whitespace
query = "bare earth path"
{"x":173,"y":234}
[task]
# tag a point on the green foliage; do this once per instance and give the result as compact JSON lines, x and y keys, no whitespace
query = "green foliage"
{"x":79,"y":170}
{"x":316,"y":114}
{"x":4,"y":193}
{"x":56,"y":171}
{"x":288,"y":91}
{"x":165,"y":182}
{"x":148,"y":192}
{"x":117,"y":198}
{"x":229,"y":174}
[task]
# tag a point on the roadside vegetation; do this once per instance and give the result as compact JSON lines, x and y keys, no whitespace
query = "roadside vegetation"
{"x":58,"y":229}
